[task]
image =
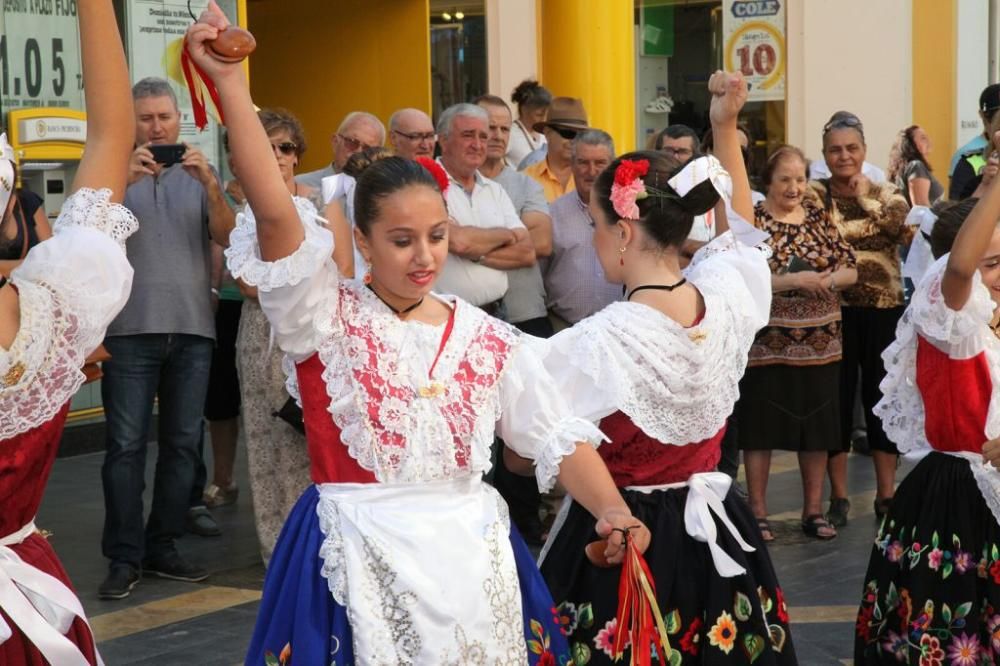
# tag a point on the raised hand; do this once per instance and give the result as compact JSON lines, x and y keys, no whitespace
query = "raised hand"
{"x":211,"y":22}
{"x":729,"y":95}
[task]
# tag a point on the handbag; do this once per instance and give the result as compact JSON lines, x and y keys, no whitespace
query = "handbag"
{"x":291,"y":413}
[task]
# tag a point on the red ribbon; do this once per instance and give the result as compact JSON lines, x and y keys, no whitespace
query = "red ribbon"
{"x":198,"y":106}
{"x":639,"y":621}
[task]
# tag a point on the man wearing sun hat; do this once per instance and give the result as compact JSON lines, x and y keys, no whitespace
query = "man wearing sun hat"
{"x":566,"y":119}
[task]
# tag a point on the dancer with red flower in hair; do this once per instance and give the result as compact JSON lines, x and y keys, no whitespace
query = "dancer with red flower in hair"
{"x":660,"y":372}
{"x":399,"y":553}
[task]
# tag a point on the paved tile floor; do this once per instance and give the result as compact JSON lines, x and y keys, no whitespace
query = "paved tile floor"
{"x":171,"y":623}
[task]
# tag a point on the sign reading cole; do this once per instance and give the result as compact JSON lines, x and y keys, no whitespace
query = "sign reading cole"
{"x":754,"y":37}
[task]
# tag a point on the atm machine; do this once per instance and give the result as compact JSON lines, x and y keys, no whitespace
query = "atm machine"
{"x":48,"y":145}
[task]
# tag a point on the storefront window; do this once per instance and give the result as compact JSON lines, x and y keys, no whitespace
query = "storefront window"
{"x":679,"y":43}
{"x":458,"y":52}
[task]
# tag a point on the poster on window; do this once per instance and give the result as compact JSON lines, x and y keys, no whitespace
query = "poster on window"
{"x":754,"y":41}
{"x":156,"y":31}
{"x":40,"y":55}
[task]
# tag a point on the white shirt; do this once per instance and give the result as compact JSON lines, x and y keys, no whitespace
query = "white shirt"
{"x":819,"y":169}
{"x":487,"y":207}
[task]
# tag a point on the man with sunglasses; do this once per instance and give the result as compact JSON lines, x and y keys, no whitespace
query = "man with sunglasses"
{"x":969,"y":160}
{"x":411,"y":134}
{"x":358,"y":130}
{"x":566,"y":119}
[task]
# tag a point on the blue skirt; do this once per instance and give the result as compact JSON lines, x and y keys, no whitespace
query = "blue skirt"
{"x":300,"y":621}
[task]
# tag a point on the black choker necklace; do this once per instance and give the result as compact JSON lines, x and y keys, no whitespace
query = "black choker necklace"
{"x":409,"y":308}
{"x":658,"y":287}
{"x":3,"y":282}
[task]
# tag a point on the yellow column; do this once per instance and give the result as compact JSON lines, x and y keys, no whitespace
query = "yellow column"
{"x":934,"y":79}
{"x":588,"y":51}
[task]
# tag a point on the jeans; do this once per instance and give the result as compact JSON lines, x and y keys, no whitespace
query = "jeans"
{"x":174,"y":367}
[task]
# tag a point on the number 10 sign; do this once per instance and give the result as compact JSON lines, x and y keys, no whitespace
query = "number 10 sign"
{"x":754,"y":34}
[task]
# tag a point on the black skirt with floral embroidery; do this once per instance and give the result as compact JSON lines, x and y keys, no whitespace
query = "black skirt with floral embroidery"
{"x":710,"y":619}
{"x":932,"y":590}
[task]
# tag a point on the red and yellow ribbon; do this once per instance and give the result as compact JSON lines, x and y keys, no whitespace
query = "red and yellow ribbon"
{"x":640,"y":623}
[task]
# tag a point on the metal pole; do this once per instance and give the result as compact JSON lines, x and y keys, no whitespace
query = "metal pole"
{"x":994,"y":41}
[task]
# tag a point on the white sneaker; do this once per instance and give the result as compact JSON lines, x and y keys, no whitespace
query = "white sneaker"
{"x":661,"y":104}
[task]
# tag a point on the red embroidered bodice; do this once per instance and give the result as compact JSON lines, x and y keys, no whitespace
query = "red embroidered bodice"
{"x":635,"y":459}
{"x":957,"y":395}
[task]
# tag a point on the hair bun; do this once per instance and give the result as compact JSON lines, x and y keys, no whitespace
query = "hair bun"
{"x":361,"y":160}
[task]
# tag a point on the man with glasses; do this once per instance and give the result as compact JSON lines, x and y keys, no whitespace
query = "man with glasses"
{"x":411,"y":134}
{"x":678,"y":142}
{"x":566,"y":119}
{"x":358,"y":130}
{"x":969,"y":160}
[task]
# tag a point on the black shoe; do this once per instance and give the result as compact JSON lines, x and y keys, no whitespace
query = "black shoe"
{"x":119,"y":582}
{"x":174,"y":567}
{"x":839,"y":508}
{"x":200,"y":521}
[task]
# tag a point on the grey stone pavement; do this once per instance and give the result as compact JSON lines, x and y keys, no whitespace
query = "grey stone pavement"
{"x":171,"y":623}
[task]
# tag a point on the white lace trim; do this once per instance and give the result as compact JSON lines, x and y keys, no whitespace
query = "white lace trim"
{"x":961,"y":334}
{"x":93,"y":209}
{"x":561,"y":442}
{"x":331,"y":551}
{"x":243,"y":254}
{"x":988,"y":480}
{"x":388,"y":428}
{"x":48,"y":352}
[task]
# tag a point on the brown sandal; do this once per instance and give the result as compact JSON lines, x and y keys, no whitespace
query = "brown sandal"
{"x":766,"y":533}
{"x":811,"y":526}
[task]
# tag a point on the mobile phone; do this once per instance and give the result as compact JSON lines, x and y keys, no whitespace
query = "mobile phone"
{"x":168,"y":154}
{"x":797,"y":264}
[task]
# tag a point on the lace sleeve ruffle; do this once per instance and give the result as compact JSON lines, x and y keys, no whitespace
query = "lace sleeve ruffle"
{"x":93,"y":209}
{"x":958,"y":330}
{"x":243,"y":254}
{"x":737,"y":271}
{"x":961,"y":334}
{"x":536,"y":422}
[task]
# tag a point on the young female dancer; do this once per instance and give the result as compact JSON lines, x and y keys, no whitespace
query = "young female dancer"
{"x":660,"y":371}
{"x":399,"y":553}
{"x":932,"y":589}
{"x":53,"y":313}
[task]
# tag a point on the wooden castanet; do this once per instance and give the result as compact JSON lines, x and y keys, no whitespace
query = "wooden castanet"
{"x":595,"y":553}
{"x":232,"y":45}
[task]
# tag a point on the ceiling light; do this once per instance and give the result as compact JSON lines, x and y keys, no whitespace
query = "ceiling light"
{"x":446,"y":16}
{"x":459,"y":15}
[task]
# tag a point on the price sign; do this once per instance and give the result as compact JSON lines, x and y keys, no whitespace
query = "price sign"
{"x":754,"y":34}
{"x":40,"y":54}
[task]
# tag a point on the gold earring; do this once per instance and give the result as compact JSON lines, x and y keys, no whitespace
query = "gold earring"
{"x":368,"y":274}
{"x":621,"y":259}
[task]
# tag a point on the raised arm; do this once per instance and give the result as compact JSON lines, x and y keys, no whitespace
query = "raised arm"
{"x":729,"y":94}
{"x":110,"y":119}
{"x":971,"y":244}
{"x":279,"y":229}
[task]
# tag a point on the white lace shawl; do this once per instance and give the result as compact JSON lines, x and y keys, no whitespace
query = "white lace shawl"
{"x":677,"y":384}
{"x":375,"y":365}
{"x":961,"y":334}
{"x":70,"y":287}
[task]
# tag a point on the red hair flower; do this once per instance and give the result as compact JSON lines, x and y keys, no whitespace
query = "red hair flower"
{"x":437,"y":171}
{"x":628,"y":188}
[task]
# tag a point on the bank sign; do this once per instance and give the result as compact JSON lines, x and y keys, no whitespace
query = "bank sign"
{"x":754,"y":39}
{"x":39,"y":55}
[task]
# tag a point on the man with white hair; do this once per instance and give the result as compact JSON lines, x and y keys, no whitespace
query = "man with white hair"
{"x":358,"y":130}
{"x":411,"y":134}
{"x":487,"y":237}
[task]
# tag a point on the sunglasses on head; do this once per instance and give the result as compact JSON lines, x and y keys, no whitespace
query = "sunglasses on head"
{"x":843,"y":123}
{"x":285,"y":147}
{"x":565,"y":132}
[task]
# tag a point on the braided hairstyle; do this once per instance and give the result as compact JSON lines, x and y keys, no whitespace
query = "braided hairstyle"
{"x":667,"y":218}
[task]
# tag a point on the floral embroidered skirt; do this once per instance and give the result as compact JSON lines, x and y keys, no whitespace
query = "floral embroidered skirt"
{"x":709,"y":619}
{"x":299,"y":622}
{"x":932,"y":589}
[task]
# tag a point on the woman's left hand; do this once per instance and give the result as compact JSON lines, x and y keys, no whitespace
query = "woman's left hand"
{"x":612,"y":526}
{"x":729,"y":94}
{"x":211,"y":22}
{"x":991,"y":453}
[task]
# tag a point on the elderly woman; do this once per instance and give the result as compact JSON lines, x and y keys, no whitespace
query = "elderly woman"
{"x":790,"y":395}
{"x":910,"y":170}
{"x":872,"y":218}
